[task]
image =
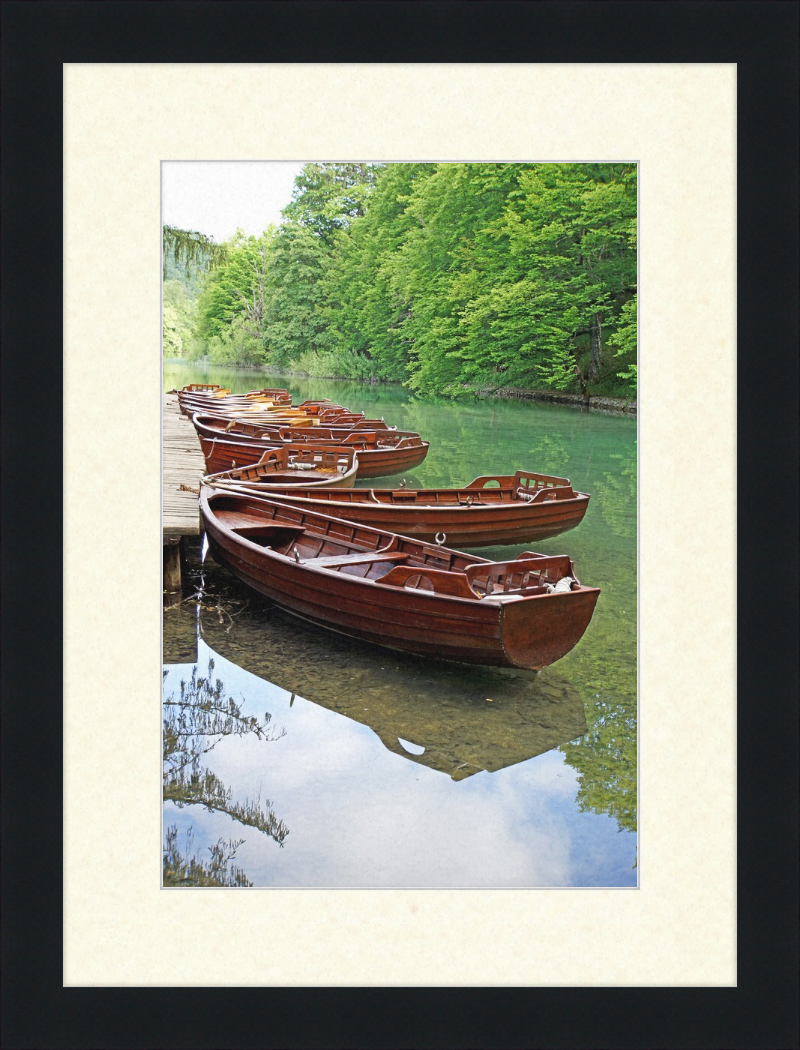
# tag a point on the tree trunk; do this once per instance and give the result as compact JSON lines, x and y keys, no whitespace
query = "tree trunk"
{"x":595,"y":345}
{"x":582,"y":384}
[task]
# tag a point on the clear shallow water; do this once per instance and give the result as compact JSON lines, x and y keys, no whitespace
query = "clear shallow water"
{"x":380,"y":770}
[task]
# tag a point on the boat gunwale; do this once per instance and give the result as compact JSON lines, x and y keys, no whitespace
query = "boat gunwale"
{"x":438,"y":550}
{"x":467,"y":629}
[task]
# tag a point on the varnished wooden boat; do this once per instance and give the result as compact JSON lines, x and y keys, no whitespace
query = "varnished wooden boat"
{"x":200,"y":388}
{"x":215,"y":390}
{"x":221,"y":399}
{"x":490,"y":511}
{"x":274,"y":417}
{"x":311,"y":466}
{"x":265,"y":404}
{"x":262,"y":428}
{"x":327,"y":417}
{"x":273,"y":408}
{"x":251,"y":425}
{"x":209,"y":393}
{"x":380,"y":453}
{"x":268,"y":415}
{"x":399,"y":592}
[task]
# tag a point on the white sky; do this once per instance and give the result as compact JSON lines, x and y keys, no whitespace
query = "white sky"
{"x":215,"y":197}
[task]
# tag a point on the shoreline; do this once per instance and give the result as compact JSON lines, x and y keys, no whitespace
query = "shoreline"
{"x":618,"y":406}
{"x":595,"y":402}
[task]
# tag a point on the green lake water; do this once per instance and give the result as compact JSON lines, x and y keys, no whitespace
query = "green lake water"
{"x":345,"y":765}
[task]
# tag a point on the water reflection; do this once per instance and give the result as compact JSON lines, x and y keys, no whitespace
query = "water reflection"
{"x":455,"y":719}
{"x":187,"y":869}
{"x":605,"y":760}
{"x":196,"y":720}
{"x":618,"y":493}
{"x":390,"y":770}
{"x":402,"y":772}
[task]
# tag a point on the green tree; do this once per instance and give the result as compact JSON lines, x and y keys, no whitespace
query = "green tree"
{"x":233,"y":303}
{"x":363,"y":313}
{"x":184,"y":251}
{"x":624,"y":340}
{"x":188,"y":257}
{"x":294,"y":322}
{"x":553,"y":270}
{"x":434,"y":274}
{"x":179,"y":319}
{"x":448,"y":276}
{"x":326,"y":200}
{"x":328,"y":197}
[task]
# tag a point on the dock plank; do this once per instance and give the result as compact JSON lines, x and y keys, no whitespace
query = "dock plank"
{"x":182,"y":464}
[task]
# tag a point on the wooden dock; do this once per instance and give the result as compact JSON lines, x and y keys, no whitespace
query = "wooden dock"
{"x":182,"y":464}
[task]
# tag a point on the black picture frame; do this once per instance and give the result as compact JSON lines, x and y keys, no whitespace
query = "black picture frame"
{"x":762,"y":38}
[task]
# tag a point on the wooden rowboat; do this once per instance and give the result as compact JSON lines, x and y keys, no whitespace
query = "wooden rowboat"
{"x":200,"y":388}
{"x":399,"y":592}
{"x":240,"y":428}
{"x":190,"y":401}
{"x":272,"y":417}
{"x":380,"y":453}
{"x":251,"y":426}
{"x":237,"y":429}
{"x":191,"y":404}
{"x":265,"y":403}
{"x":215,"y":390}
{"x":311,"y":466}
{"x":210,"y":393}
{"x":490,"y":511}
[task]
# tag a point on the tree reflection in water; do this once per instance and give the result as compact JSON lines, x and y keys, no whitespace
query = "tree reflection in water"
{"x":194,"y":724}
{"x":181,"y":871}
{"x":617,"y":493}
{"x":605,"y":760}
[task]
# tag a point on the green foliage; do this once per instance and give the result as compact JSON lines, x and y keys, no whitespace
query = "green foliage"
{"x":186,"y":251}
{"x":487,"y":274}
{"x":294,"y":322}
{"x":236,"y":345}
{"x":547,"y":274}
{"x":362,"y":309}
{"x":335,"y":364}
{"x":631,"y":376}
{"x":178,"y":319}
{"x":444,"y":276}
{"x":236,"y":289}
{"x":624,"y":339}
{"x":327,"y":197}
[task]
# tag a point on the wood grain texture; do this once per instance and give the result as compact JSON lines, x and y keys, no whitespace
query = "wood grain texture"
{"x":396,"y":591}
{"x":182,"y":464}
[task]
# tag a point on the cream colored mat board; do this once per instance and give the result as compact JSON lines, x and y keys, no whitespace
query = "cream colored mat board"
{"x":121,"y":122}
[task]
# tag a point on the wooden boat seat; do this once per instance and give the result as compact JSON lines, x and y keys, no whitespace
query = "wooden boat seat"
{"x":333,"y":561}
{"x":528,"y":573}
{"x":439,"y":581}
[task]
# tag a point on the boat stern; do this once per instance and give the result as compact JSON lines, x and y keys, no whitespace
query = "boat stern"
{"x":538,"y":631}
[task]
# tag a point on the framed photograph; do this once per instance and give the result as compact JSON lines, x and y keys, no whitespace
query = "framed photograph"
{"x":684,"y":93}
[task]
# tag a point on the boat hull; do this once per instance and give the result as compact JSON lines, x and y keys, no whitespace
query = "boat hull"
{"x":310,"y":466}
{"x":373,"y":462}
{"x":410,"y":698}
{"x":461,"y":526}
{"x":530,"y":632}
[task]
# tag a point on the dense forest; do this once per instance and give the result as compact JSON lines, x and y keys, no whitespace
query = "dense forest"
{"x":447,"y":277}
